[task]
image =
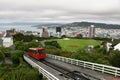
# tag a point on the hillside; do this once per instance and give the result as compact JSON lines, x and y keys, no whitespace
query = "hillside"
{"x":98,"y":25}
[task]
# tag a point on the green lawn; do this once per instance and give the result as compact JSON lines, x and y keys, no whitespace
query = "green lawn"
{"x":76,"y":44}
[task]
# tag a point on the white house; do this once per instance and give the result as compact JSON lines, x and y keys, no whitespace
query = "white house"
{"x":117,"y":47}
{"x":7,"y":41}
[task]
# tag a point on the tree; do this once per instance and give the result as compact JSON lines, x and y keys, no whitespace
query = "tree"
{"x":53,"y":43}
{"x":16,"y":55}
{"x":28,"y":38}
{"x":19,"y":45}
{"x":115,"y":58}
{"x":63,"y":36}
{"x":32,"y":44}
{"x":18,"y":37}
{"x":50,"y":47}
{"x":79,"y":35}
{"x":6,"y":51}
{"x":2,"y":56}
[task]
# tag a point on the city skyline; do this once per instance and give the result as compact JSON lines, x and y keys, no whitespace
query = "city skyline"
{"x":105,"y":11}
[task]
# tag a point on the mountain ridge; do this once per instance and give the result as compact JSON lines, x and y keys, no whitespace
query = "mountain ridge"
{"x":97,"y":25}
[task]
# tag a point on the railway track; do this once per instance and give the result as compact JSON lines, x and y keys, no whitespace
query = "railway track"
{"x":71,"y":75}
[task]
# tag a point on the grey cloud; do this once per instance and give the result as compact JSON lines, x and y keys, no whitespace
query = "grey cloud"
{"x":58,"y":10}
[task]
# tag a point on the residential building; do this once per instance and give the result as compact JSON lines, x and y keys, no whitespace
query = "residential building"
{"x":117,"y":47}
{"x":7,"y":41}
{"x":2,"y":34}
{"x":10,"y":33}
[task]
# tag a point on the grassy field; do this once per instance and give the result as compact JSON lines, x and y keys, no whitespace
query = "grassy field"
{"x":76,"y":44}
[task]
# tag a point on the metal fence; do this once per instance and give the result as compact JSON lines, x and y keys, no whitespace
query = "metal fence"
{"x":45,"y":73}
{"x":93,"y":66}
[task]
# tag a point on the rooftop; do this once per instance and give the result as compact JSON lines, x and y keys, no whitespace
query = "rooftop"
{"x":36,"y":48}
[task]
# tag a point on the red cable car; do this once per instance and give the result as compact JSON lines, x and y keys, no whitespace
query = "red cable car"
{"x":37,"y":53}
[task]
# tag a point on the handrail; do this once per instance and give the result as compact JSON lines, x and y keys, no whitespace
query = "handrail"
{"x":93,"y":66}
{"x":45,"y":73}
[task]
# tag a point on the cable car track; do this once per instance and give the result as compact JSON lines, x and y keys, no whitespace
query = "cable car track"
{"x":69,"y":75}
{"x":72,"y":75}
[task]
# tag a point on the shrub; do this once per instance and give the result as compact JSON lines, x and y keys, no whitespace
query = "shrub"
{"x":22,"y":74}
{"x":115,"y":58}
{"x":53,"y":43}
{"x":16,"y":55}
{"x":2,"y":56}
{"x":58,"y":52}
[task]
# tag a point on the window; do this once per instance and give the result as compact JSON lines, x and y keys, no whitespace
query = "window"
{"x":40,"y":51}
{"x":32,"y":51}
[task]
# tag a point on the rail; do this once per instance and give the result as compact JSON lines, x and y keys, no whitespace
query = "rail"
{"x":45,"y":73}
{"x":93,"y":66}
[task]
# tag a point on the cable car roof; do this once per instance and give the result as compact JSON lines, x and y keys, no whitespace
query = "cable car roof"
{"x":36,"y":49}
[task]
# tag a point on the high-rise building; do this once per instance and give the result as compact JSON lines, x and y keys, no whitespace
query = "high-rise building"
{"x":45,"y":32}
{"x":58,"y":29}
{"x":91,"y":31}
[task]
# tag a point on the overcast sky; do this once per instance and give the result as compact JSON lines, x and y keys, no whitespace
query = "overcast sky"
{"x":107,"y":11}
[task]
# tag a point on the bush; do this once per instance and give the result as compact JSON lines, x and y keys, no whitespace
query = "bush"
{"x":115,"y":58}
{"x":19,"y":45}
{"x":53,"y":43}
{"x":58,"y":52}
{"x":6,"y":51}
{"x":2,"y":56}
{"x":16,"y":55}
{"x":50,"y":47}
{"x":91,"y":57}
{"x":26,"y":45}
{"x":22,"y":74}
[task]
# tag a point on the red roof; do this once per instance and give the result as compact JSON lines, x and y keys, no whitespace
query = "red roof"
{"x":36,"y":49}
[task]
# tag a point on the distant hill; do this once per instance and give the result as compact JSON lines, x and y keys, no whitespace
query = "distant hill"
{"x":74,"y":24}
{"x":98,"y":25}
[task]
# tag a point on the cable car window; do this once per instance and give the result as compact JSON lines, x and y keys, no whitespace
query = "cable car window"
{"x":40,"y":51}
{"x":33,"y":51}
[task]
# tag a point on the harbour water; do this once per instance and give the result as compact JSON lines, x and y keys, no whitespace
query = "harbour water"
{"x":26,"y":28}
{"x":18,"y":27}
